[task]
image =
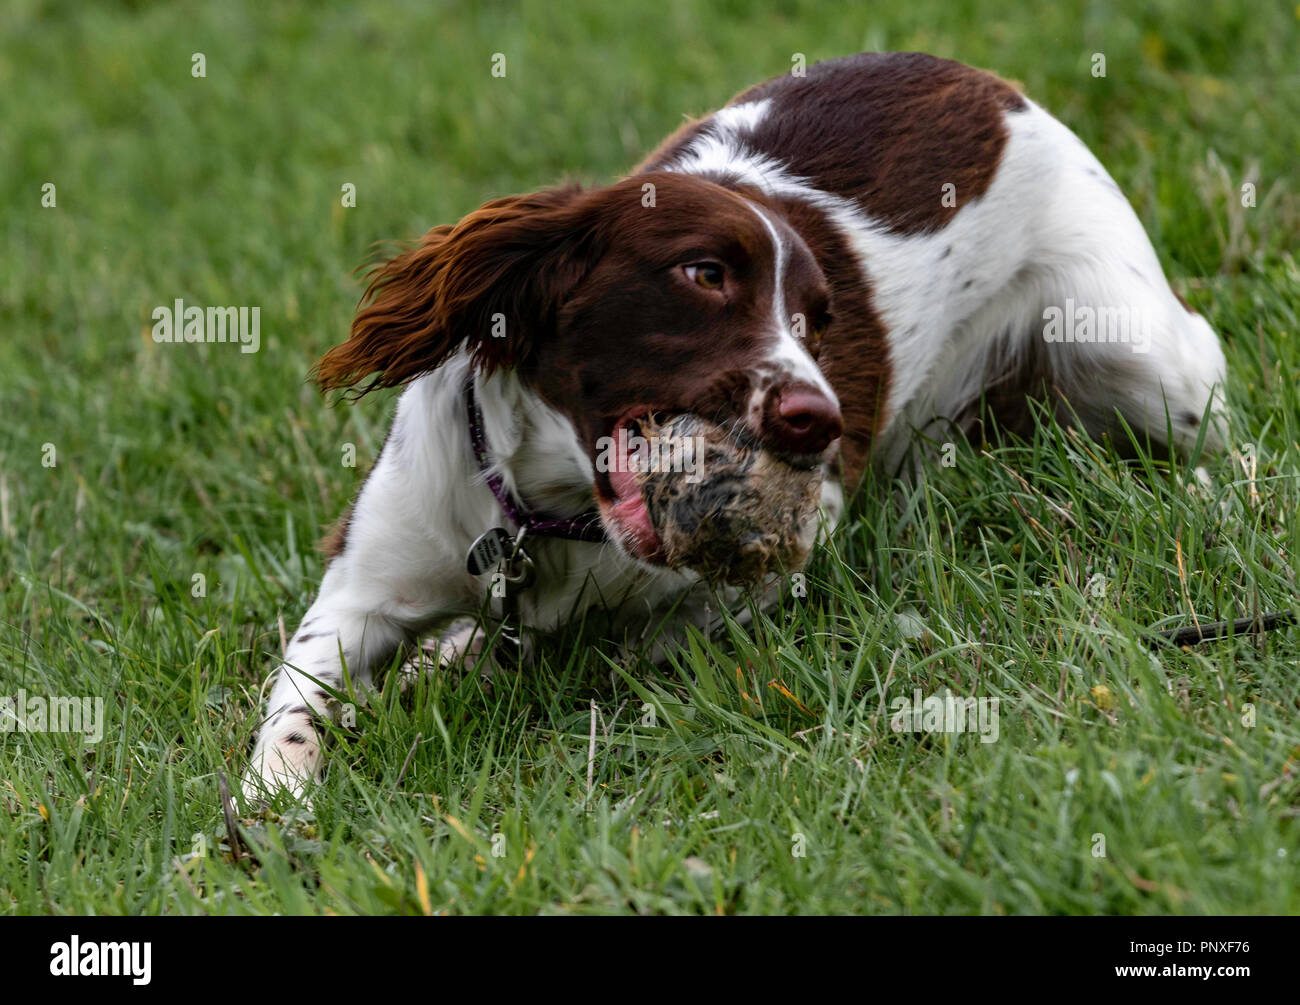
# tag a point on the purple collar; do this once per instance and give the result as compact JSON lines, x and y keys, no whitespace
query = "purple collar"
{"x":583,"y":527}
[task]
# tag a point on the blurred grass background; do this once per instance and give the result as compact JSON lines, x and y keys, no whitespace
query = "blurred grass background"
{"x":174,"y":461}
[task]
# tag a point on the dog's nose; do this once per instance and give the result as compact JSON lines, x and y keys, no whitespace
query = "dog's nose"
{"x":804,"y":421}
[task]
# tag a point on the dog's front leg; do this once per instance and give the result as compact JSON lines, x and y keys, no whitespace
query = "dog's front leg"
{"x":398,"y":569}
{"x":336,"y":633}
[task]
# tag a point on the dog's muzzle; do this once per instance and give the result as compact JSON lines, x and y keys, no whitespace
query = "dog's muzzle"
{"x":694,"y":495}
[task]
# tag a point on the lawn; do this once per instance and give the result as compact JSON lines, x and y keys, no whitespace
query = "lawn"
{"x":160,"y":504}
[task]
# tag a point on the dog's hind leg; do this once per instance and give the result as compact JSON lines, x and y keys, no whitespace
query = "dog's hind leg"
{"x":1112,"y":333}
{"x":1088,"y":322}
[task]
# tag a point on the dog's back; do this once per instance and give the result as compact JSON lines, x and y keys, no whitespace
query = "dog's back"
{"x":993,"y":256}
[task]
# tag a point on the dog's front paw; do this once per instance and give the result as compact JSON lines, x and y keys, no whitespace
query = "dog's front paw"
{"x":287,"y":758}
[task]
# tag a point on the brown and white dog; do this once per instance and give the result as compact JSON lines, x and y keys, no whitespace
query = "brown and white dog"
{"x":830,"y":262}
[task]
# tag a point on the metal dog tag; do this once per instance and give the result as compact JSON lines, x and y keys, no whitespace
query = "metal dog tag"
{"x":485,"y":553}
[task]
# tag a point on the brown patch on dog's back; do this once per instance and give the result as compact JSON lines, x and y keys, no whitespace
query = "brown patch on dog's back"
{"x":887,"y":130}
{"x":916,"y":124}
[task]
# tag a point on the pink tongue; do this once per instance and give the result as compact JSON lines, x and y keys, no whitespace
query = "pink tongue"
{"x":624,"y":484}
{"x":630,"y":507}
{"x":634,"y":519}
{"x":621,"y":477}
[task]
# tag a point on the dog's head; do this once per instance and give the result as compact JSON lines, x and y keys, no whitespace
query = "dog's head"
{"x":664,"y":294}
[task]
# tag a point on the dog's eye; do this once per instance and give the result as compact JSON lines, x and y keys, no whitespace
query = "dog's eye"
{"x":708,"y":275}
{"x":817,"y":332}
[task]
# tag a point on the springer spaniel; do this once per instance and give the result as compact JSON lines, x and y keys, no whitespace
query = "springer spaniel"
{"x":828,"y":264}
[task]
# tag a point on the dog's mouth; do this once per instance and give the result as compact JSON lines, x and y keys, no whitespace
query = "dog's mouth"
{"x":619,"y":492}
{"x":679,"y":491}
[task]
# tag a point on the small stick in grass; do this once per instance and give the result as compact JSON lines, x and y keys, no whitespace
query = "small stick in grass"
{"x":228,"y":811}
{"x":1191,"y":635}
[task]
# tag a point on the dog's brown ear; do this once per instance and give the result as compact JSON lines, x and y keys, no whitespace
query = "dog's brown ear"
{"x":493,"y":282}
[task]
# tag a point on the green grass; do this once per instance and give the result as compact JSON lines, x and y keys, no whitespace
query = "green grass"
{"x":176,"y":461}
